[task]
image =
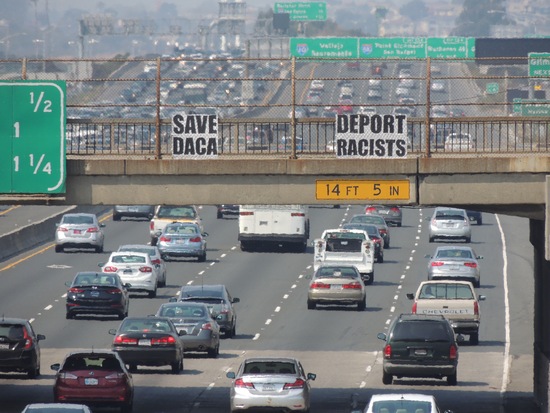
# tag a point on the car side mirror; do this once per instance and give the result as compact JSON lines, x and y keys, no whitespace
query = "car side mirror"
{"x":68,"y":283}
{"x":101,"y":264}
{"x":230,"y":375}
{"x":311,"y":376}
{"x":127,"y":285}
{"x":112,"y":331}
{"x":481,"y":297}
{"x":102,"y":225}
{"x":381,"y":336}
{"x":236,"y":300}
{"x":55,"y":366}
{"x":205,"y":234}
{"x":182,"y":333}
{"x":172,"y":300}
{"x":40,"y":337}
{"x":410,"y":296}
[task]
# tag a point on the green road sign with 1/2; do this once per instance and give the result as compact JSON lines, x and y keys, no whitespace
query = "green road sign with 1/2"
{"x":539,"y":64}
{"x":324,"y":47}
{"x":303,"y":11}
{"x":392,"y":47}
{"x":32,"y":137}
{"x":447,"y":47}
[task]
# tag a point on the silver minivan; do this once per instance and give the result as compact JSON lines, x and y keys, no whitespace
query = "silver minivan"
{"x":450,"y":223}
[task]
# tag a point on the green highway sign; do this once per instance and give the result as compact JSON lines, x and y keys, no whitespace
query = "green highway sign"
{"x":32,"y":137}
{"x":517,"y":105}
{"x":392,"y":47}
{"x":539,"y":64}
{"x":303,"y":11}
{"x":535,"y":108}
{"x":491,"y":88}
{"x":447,"y":47}
{"x":324,"y":47}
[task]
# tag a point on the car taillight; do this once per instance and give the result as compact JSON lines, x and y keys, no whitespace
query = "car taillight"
{"x":113,"y":291}
{"x":370,"y":209}
{"x":355,"y":285}
{"x":93,"y":229}
{"x":62,"y":229}
{"x":165,"y":239}
{"x":382,"y":231}
{"x":437,"y":263}
{"x":125,"y":340}
{"x":152,"y":225}
{"x":476,"y":308}
{"x":110,"y":269}
{"x":145,"y":269}
{"x":298,"y":384}
{"x":163,"y":341}
{"x":115,"y":376}
{"x":195,"y":239}
{"x":413,"y":310}
{"x":387,"y":351}
{"x":394,"y":209}
{"x":67,"y":376}
{"x":242,"y":383}
{"x":246,"y":213}
{"x":156,"y":261}
{"x":76,"y":290}
{"x":28,"y":339}
{"x":319,"y":285}
{"x":470,"y":264}
{"x":297,"y":214}
{"x":207,"y":326}
{"x":453,"y":352}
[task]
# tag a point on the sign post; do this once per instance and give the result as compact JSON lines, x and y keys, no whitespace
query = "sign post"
{"x":32,"y":132}
{"x":303,"y":11}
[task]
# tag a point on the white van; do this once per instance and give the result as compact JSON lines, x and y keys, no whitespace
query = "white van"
{"x":276,"y":225}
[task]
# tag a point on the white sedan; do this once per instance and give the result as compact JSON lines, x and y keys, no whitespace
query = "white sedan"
{"x":134,"y":268}
{"x":156,"y":259}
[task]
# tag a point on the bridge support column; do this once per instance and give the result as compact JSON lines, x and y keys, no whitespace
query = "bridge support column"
{"x":541,"y":350}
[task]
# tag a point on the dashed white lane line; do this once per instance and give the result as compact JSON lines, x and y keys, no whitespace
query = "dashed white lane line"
{"x":392,"y":309}
{"x":277,"y":309}
{"x":189,"y":282}
{"x":210,"y":386}
{"x":213,"y":263}
{"x":49,"y":307}
{"x":223,"y":255}
{"x":285,"y":296}
{"x":268,"y":321}
{"x":256,"y":336}
{"x":293,"y":286}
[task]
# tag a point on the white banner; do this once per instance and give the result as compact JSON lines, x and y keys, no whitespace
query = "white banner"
{"x":371,"y":136}
{"x":194,"y":136}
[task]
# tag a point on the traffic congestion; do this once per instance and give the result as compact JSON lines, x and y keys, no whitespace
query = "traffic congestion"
{"x":328,"y":360}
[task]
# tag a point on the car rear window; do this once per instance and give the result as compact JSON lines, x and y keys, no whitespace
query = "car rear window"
{"x":420,"y":330}
{"x":79,"y":362}
{"x":447,"y":291}
{"x":401,"y":406}
{"x":176,"y":212}
{"x":12,"y":331}
{"x":338,"y":272}
{"x":262,"y":367}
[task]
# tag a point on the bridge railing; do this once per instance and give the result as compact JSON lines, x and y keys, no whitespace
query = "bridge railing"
{"x":286,"y":107}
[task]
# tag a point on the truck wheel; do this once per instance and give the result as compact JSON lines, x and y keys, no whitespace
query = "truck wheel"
{"x":387,"y":378}
{"x":244,"y":246}
{"x":474,"y":339}
{"x":451,"y":380}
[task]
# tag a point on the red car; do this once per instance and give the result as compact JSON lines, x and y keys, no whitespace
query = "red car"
{"x":97,"y":378}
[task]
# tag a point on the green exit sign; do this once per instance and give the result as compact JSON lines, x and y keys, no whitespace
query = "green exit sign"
{"x":492,"y":88}
{"x":539,"y":64}
{"x":303,"y":11}
{"x":32,"y":137}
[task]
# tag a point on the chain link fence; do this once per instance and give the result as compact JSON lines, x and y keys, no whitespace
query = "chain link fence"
{"x":287,"y":107}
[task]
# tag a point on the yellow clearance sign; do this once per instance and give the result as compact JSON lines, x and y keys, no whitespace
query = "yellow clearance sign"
{"x":362,"y":190}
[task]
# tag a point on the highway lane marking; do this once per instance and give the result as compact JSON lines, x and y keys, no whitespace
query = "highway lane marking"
{"x":277,"y":309}
{"x":268,"y":322}
{"x":48,"y":307}
{"x":223,"y":255}
{"x":256,"y":336}
{"x":9,"y":209}
{"x":392,"y":309}
{"x":293,"y":286}
{"x":285,"y":296}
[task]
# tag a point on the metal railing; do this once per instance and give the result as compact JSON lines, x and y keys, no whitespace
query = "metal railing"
{"x":268,"y":106}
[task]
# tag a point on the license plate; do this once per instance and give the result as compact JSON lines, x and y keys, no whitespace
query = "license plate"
{"x":127,"y":271}
{"x":94,"y":294}
{"x":268,"y":387}
{"x":421,"y":352}
{"x":180,"y":241}
{"x":335,"y":287}
{"x":77,"y":231}
{"x":449,"y":225}
{"x":144,"y":342}
{"x":89,"y":381}
{"x":4,"y":346}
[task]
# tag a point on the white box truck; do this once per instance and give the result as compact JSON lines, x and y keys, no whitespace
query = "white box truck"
{"x":273,"y":225}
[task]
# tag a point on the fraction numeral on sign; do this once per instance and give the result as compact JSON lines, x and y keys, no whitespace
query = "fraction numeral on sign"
{"x":47,"y":103}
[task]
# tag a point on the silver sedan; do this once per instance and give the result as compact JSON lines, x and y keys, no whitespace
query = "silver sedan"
{"x":270,"y":382}
{"x":455,"y":263}
{"x":337,"y":284}
{"x":182,"y":239}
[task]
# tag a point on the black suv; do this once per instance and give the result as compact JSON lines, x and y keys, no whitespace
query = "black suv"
{"x":420,"y":346}
{"x":19,"y":347}
{"x":219,"y":302}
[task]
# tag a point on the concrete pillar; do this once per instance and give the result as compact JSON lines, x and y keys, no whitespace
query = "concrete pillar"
{"x":542,"y":317}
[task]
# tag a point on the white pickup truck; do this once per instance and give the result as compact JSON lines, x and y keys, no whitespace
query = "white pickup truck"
{"x":455,"y":300}
{"x":346,"y":246}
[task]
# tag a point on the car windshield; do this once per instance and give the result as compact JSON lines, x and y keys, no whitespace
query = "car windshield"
{"x":12,"y":331}
{"x":404,"y":406}
{"x":269,"y":367}
{"x":445,"y":291}
{"x":449,"y":215}
{"x":454,"y":254}
{"x":183,"y":311}
{"x":420,"y":330}
{"x":94,"y":279}
{"x":182,"y":230}
{"x":128,"y":259}
{"x":145,"y":325}
{"x":176,"y":212}
{"x":91,"y":361}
